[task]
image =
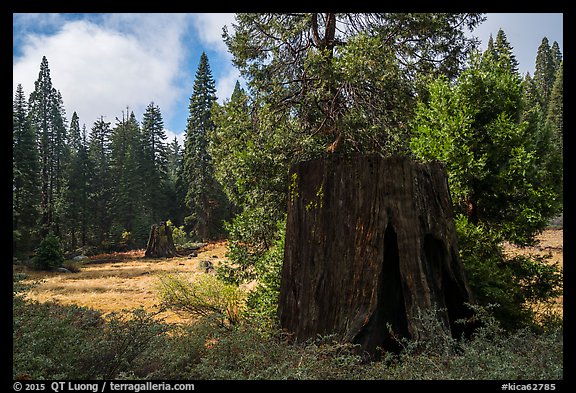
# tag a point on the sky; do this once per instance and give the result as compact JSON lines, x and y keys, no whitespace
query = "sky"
{"x":103,"y":64}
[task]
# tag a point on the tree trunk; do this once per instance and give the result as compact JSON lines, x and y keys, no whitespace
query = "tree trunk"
{"x":160,"y":243}
{"x":370,"y":243}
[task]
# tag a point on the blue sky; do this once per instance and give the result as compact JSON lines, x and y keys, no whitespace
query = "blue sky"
{"x":103,"y":63}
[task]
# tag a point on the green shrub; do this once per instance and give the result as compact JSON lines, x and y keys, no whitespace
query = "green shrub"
{"x":262,"y":304}
{"x":49,"y":254}
{"x":512,"y":284}
{"x":203,"y":295}
{"x":51,"y":341}
{"x":179,"y":236}
{"x":492,"y":353}
{"x":125,"y":336}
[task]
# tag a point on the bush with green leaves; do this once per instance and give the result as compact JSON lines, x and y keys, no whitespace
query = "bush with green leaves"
{"x":263,"y":300}
{"x":513,"y":284}
{"x":203,"y":295}
{"x":52,"y":341}
{"x":49,"y":254}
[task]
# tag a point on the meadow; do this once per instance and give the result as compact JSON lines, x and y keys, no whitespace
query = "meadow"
{"x":104,"y":322}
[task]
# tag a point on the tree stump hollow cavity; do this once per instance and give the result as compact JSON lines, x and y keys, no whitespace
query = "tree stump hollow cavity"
{"x":370,"y":245}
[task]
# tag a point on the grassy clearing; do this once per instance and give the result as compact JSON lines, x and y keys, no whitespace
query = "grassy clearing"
{"x":118,"y":281}
{"x":104,"y":323}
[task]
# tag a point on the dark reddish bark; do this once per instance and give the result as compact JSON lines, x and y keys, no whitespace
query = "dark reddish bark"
{"x":160,"y":243}
{"x":369,"y":242}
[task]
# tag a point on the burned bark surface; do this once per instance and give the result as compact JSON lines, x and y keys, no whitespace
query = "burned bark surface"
{"x":370,"y":243}
{"x":160,"y":243}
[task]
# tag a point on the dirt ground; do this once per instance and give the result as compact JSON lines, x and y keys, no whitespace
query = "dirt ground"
{"x":113,"y":282}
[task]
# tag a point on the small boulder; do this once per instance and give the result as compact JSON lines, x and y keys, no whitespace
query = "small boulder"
{"x":206,"y":265}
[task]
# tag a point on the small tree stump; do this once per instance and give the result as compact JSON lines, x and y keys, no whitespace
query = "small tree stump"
{"x":370,"y":243}
{"x":160,"y":243}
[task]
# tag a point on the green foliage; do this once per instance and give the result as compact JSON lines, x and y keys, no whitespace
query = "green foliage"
{"x":513,"y":284}
{"x":491,"y":278}
{"x":179,"y":236}
{"x":49,"y":254}
{"x":202,"y":296}
{"x":503,"y":166}
{"x":263,"y":300}
{"x":204,"y":199}
{"x":47,"y":118}
{"x":125,"y":336}
{"x":504,"y":172}
{"x":321,"y":82}
{"x":25,"y":181}
{"x":79,"y":343}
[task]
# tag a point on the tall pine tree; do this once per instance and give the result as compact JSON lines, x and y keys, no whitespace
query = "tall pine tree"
{"x":203,"y":195}
{"x":100,"y":183}
{"x":155,"y":162}
{"x":174,"y":166}
{"x":47,"y":119}
{"x":555,"y":113}
{"x":505,"y":52}
{"x":126,"y":154}
{"x":544,"y":72}
{"x":25,"y":181}
{"x":77,"y":180}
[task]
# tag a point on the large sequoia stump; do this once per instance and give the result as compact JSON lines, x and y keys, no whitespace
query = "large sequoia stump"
{"x":370,"y":241}
{"x":160,"y":243}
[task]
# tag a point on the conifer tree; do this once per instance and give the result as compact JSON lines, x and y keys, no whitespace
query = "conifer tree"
{"x":202,"y":191}
{"x":174,"y":159}
{"x":555,"y":123}
{"x":77,"y":183}
{"x":503,"y":178}
{"x":555,"y":115}
{"x":47,"y":119}
{"x":556,"y":56}
{"x":100,"y":183}
{"x":497,"y":161}
{"x":174,"y":198}
{"x":504,"y":51}
{"x":544,"y":72}
{"x":25,"y":180}
{"x":154,"y":165}
{"x":126,"y":157}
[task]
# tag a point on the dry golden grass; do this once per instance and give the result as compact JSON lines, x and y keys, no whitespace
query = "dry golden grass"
{"x":113,"y":282}
{"x":550,"y":241}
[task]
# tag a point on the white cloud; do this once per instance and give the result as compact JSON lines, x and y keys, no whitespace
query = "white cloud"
{"x":209,"y":29}
{"x":179,"y":136}
{"x":103,"y":63}
{"x":225,"y":84}
{"x":128,"y":60}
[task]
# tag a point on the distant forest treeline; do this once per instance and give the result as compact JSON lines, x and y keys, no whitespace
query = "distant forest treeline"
{"x":106,"y":185}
